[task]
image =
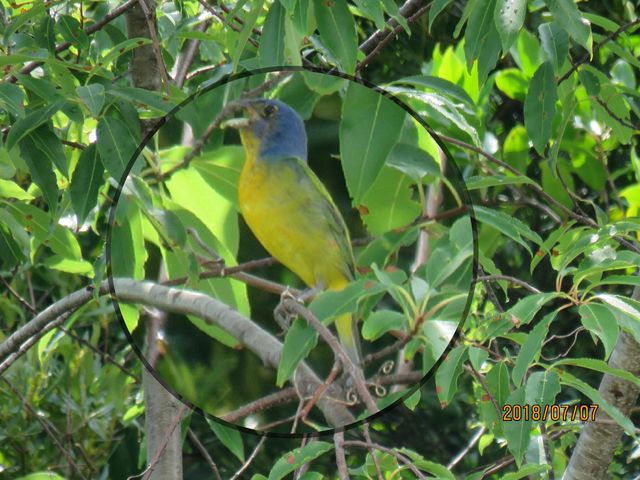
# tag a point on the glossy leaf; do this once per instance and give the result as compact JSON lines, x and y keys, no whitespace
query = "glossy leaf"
{"x":369,"y":129}
{"x":230,"y":438}
{"x":301,"y":338}
{"x":599,"y":320}
{"x":508,"y":225}
{"x":380,"y":322}
{"x":540,"y":106}
{"x":86,"y":181}
{"x":481,"y":39}
{"x":555,"y":43}
{"x":509,"y":18}
{"x":448,"y":373}
{"x":272,"y":41}
{"x":338,"y":32}
{"x":542,"y":388}
{"x":116,"y":145}
{"x":530,"y":351}
{"x":566,"y":13}
{"x":297,"y":457}
{"x":93,"y":96}
{"x":517,"y":432}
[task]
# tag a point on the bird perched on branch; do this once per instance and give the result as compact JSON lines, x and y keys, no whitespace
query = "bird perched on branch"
{"x":287,"y":207}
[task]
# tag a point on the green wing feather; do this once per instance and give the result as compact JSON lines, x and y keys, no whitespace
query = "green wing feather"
{"x":336,"y":223}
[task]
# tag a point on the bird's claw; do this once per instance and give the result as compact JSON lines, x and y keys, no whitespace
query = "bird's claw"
{"x":282,"y":314}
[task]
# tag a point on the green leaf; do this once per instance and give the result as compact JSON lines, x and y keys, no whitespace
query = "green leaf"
{"x":513,"y":82}
{"x":297,"y":457}
{"x":508,"y":225}
{"x":436,"y":8}
{"x":30,"y":122}
{"x":329,"y":304}
{"x":380,"y":322}
{"x":189,"y":186}
{"x":10,"y":252}
{"x":42,"y":476}
{"x":625,"y":422}
{"x":542,"y":388}
{"x":516,"y":148}
{"x":299,"y":341}
{"x":72,"y":32}
{"x":412,"y":161}
{"x":59,"y":239}
{"x":116,"y":145}
{"x":321,"y":83}
{"x":475,"y":183}
{"x":412,"y":401}
{"x":481,"y":38}
{"x":599,"y":320}
{"x":555,"y":43}
{"x":440,"y":85}
{"x":93,"y":97}
{"x":369,"y":129}
{"x":10,"y":189}
{"x":272,"y":40}
{"x":153,"y":100}
{"x":524,"y":311}
{"x":529,"y":471}
{"x":86,"y":182}
{"x":12,"y":98}
{"x":622,"y":304}
{"x":477,"y":357}
{"x":448,"y":374}
{"x":230,"y":438}
{"x":530,"y":351}
{"x":566,"y":13}
{"x":509,"y":18}
{"x":540,"y":106}
{"x":389,"y":203}
{"x":338,"y":32}
{"x":38,"y":150}
{"x":243,"y":38}
{"x":601,"y":366}
{"x":517,"y":433}
{"x":68,"y":265}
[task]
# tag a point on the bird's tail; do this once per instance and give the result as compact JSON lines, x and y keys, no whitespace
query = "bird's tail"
{"x":349,"y":336}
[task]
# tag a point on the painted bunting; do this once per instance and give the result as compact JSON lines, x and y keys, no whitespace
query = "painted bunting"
{"x":287,"y":207}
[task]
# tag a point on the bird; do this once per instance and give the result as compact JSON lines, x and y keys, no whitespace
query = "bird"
{"x":289,"y":210}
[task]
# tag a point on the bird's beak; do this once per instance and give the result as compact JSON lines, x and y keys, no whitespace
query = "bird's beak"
{"x":244,"y":106}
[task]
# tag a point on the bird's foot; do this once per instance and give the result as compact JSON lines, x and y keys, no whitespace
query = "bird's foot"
{"x":282,"y":314}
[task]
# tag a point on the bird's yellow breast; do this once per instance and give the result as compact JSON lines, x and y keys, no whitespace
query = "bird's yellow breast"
{"x":283,"y":213}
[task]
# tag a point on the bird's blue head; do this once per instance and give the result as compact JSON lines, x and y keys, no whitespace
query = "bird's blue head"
{"x":274,"y":128}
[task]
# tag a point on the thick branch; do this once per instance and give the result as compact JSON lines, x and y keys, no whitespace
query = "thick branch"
{"x":598,"y":440}
{"x":187,"y":302}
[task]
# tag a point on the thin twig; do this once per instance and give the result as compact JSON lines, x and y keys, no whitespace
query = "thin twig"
{"x":250,"y":459}
{"x":463,"y":453}
{"x":203,"y":451}
{"x":585,"y":58}
{"x":483,"y":383}
{"x":400,"y":457}
{"x":268,"y":401}
{"x":387,"y":39}
{"x":338,"y":351}
{"x":514,"y":280}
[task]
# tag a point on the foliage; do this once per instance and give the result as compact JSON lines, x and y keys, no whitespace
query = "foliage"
{"x":537,"y":104}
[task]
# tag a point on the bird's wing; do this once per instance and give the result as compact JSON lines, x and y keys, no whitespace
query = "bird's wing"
{"x":335,"y":222}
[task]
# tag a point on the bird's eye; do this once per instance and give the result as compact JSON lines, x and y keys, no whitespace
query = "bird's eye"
{"x":270,"y":110}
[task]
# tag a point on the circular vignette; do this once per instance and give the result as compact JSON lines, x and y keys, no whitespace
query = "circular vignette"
{"x":456,"y":179}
